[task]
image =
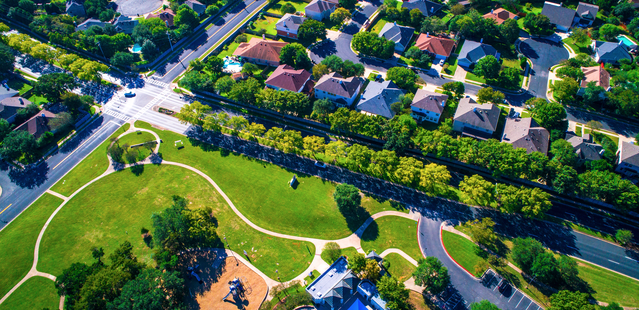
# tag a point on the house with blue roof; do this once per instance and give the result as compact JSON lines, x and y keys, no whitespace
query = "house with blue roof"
{"x":378,"y":97}
{"x":401,"y":35}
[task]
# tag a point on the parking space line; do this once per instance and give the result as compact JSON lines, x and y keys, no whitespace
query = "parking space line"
{"x":522,"y":298}
{"x":496,"y":286}
{"x":529,"y":305}
{"x":513,"y":295}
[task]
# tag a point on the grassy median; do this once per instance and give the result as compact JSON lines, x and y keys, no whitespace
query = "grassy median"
{"x":392,"y":232}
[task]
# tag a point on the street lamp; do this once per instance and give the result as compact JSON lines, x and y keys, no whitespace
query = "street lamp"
{"x":228,"y":246}
{"x":169,"y":36}
{"x":100,"y":46}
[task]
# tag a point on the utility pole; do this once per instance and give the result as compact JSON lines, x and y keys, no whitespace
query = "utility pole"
{"x":169,"y":36}
{"x":100,"y":46}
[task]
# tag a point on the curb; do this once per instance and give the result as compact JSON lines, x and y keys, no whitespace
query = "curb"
{"x":441,"y":239}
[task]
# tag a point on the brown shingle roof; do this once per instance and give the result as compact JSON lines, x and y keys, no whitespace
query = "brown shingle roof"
{"x":166,"y":15}
{"x":596,"y":74}
{"x":334,"y":83}
{"x":429,"y":101}
{"x":526,"y":133}
{"x":499,"y":15}
{"x":260,"y":49}
{"x":435,"y":45}
{"x":288,"y":78}
{"x":38,"y":124}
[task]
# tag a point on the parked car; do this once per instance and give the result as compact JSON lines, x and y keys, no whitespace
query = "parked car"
{"x":320,"y":164}
{"x":129,"y":94}
{"x":442,"y":62}
{"x":504,"y":287}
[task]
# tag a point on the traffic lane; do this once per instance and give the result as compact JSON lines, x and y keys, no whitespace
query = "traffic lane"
{"x":29,"y":184}
{"x":623,"y":128}
{"x":607,"y":255}
{"x":589,"y":219}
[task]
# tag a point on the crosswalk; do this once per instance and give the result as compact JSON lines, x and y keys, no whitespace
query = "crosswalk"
{"x":157,"y":83}
{"x":117,"y":115}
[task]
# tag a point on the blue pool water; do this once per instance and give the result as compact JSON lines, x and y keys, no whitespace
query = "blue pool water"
{"x":136,"y":48}
{"x":627,"y":42}
{"x":232,"y":65}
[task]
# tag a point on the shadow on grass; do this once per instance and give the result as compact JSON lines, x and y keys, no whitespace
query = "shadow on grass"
{"x":137,"y":169}
{"x":371,"y":233}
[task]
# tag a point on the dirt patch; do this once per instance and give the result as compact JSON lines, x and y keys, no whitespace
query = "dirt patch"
{"x":216,"y":273}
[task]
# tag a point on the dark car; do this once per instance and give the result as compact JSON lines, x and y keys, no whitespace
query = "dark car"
{"x":504,"y":287}
{"x":129,"y":94}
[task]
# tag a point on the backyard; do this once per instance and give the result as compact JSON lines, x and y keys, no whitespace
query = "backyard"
{"x":276,"y":8}
{"x":267,"y":23}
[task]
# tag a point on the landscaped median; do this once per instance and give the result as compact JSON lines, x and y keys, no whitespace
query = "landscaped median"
{"x":392,"y":232}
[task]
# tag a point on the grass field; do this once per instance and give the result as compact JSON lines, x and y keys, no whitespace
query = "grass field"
{"x":137,"y":138}
{"x":18,"y":239}
{"x":346,"y":252}
{"x":36,"y":293}
{"x":609,"y":286}
{"x":90,"y":168}
{"x":122,"y":204}
{"x":392,"y":232}
{"x":462,"y":250}
{"x":399,"y":266}
{"x":452,"y":65}
{"x":267,"y":23}
{"x":418,"y":301}
{"x":19,"y":85}
{"x":299,"y":6}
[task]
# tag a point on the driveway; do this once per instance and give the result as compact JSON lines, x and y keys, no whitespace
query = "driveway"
{"x":137,"y":7}
{"x":360,"y":16}
{"x":340,"y":44}
{"x":544,"y":54}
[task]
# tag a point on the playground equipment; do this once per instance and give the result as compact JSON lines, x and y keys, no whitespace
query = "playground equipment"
{"x":238,"y":288}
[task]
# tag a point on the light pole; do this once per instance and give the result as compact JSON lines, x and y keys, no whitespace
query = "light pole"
{"x":228,"y":246}
{"x":100,"y":46}
{"x":169,"y":36}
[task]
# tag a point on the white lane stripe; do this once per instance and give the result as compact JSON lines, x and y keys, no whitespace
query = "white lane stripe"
{"x":513,"y":295}
{"x":529,"y":305}
{"x":612,"y":261}
{"x":630,"y":258}
{"x":522,"y":298}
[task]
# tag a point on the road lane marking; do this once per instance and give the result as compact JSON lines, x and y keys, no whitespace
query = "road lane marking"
{"x":612,"y":261}
{"x":496,"y":286}
{"x":83,"y":143}
{"x":522,"y":298}
{"x":6,"y":208}
{"x":572,"y":247}
{"x":630,"y":258}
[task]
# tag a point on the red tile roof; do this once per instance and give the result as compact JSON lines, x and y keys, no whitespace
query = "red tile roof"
{"x":435,"y":45}
{"x":286,"y":77}
{"x":596,"y":74}
{"x":260,"y":49}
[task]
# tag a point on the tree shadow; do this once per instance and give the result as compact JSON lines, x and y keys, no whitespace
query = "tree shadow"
{"x":371,"y":233}
{"x":137,"y":169}
{"x":148,"y":240}
{"x":156,"y":158}
{"x":31,"y":176}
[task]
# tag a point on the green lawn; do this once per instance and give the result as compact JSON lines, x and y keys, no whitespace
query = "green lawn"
{"x":578,"y":131}
{"x":122,"y":204}
{"x":299,"y":6}
{"x":309,"y":279}
{"x":462,"y":250}
{"x":392,"y":232}
{"x":267,"y":23}
{"x":379,"y":24}
{"x":19,"y":85}
{"x":347,"y":252}
{"x":471,"y":76}
{"x":91,"y":167}
{"x":452,"y":65}
{"x":18,"y":241}
{"x":399,"y":266}
{"x":36,"y":293}
{"x":38,"y":100}
{"x":609,"y":286}
{"x":578,"y":48}
{"x":137,"y":138}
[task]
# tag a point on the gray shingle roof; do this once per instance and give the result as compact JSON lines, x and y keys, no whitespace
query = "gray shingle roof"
{"x":334,"y":83}
{"x":320,"y":6}
{"x":585,"y":149}
{"x":474,"y":51}
{"x":428,"y":8}
{"x":558,"y":15}
{"x":429,"y":101}
{"x":290,"y":22}
{"x":398,"y":34}
{"x":587,"y":10}
{"x":611,"y":51}
{"x":483,"y":116}
{"x":378,"y":98}
{"x":629,"y":154}
{"x":88,"y":23}
{"x":526,"y":133}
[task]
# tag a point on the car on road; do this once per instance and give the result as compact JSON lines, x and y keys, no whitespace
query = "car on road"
{"x":129,"y":94}
{"x":320,"y":164}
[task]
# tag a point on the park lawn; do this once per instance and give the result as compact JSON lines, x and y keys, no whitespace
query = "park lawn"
{"x":18,"y":241}
{"x":346,"y":252}
{"x":137,"y":138}
{"x":463,"y":251}
{"x":89,"y":168}
{"x":122,"y":204}
{"x":299,"y":6}
{"x":392,"y":232}
{"x":267,"y":23}
{"x":399,"y":267}
{"x":272,"y":203}
{"x":19,"y":85}
{"x":36,"y":293}
{"x":609,"y":286}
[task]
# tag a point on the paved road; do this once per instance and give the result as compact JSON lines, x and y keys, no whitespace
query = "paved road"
{"x":360,"y":16}
{"x":221,"y":27}
{"x":543,"y":54}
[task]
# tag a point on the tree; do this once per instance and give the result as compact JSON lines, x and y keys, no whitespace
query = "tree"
{"x":245,"y":91}
{"x":101,"y":288}
{"x":404,"y":78}
{"x":27,"y":5}
{"x":567,"y":300}
{"x":580,"y":36}
{"x":544,"y":268}
{"x":122,"y":59}
{"x":535,"y":202}
{"x":433,"y":24}
{"x":249,"y":68}
{"x":53,"y":85}
{"x":224,"y":84}
{"x":550,"y":115}
{"x":593,"y":93}
{"x":152,"y":290}
{"x":487,"y":67}
{"x":483,"y":305}
{"x":509,"y":31}
{"x":340,"y":15}
{"x":477,"y":190}
{"x":149,"y":50}
{"x":294,"y":54}
{"x":624,"y":236}
{"x":565,"y":180}
{"x":369,"y":44}
{"x":482,"y":231}
{"x":624,"y":11}
{"x":332,"y":251}
{"x":17,"y":143}
{"x":487,"y":94}
{"x":311,"y":30}
{"x":7,"y":59}
{"x":612,"y":306}
{"x":357,"y":263}
{"x":538,"y":24}
{"x":416,"y":17}
{"x":432,"y":274}
{"x":320,"y":70}
{"x":456,"y":88}
{"x":70,"y":283}
{"x":371,"y":270}
{"x":323,"y":107}
{"x":393,"y":292}
{"x":72,"y":101}
{"x":314,"y":144}
{"x":525,"y":251}
{"x":212,"y":10}
{"x":563,"y":152}
{"x":457,"y":9}
{"x":193,"y":113}
{"x":348,"y":4}
{"x":186,"y":17}
{"x":347,"y":198}
{"x":434,"y":178}
{"x":510,"y":78}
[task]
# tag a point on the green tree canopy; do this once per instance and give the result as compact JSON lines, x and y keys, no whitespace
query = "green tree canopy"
{"x":432,"y":274}
{"x":488,"y":67}
{"x":311,"y":30}
{"x":404,"y":78}
{"x":347,"y":198}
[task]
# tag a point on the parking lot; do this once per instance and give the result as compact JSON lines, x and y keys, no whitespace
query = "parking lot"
{"x":509,"y":296}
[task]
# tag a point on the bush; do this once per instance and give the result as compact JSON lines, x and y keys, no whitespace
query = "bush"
{"x":332,"y":252}
{"x":212,"y":10}
{"x":241,"y":38}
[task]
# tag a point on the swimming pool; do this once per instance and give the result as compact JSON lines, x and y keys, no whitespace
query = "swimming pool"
{"x":136,"y":48}
{"x":625,"y":40}
{"x":232,"y":65}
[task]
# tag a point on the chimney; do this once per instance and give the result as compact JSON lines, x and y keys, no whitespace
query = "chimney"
{"x":395,"y":23}
{"x":443,"y":103}
{"x":166,"y":22}
{"x":43,"y":115}
{"x":492,"y":11}
{"x":21,"y":102}
{"x":263,"y":36}
{"x":475,"y":110}
{"x":561,"y":4}
{"x":428,"y":34}
{"x":431,"y":9}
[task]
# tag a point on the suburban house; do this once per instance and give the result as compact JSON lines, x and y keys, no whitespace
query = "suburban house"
{"x":378,"y":97}
{"x":586,"y":14}
{"x":628,"y":164}
{"x":261,"y":51}
{"x":401,"y":35}
{"x":334,"y":87}
{"x":428,"y":106}
{"x":610,"y":52}
{"x":166,"y":15}
{"x":89,"y":23}
{"x":75,"y":8}
{"x":560,"y":16}
{"x":9,"y":107}
{"x":126,"y":24}
{"x":7,"y":92}
{"x":499,"y":15}
{"x":288,"y":25}
{"x":526,"y":133}
{"x":38,"y":124}
{"x":475,"y":120}
{"x":286,"y":77}
{"x":439,"y":47}
{"x":339,"y":289}
{"x":584,"y":147}
{"x":198,"y":7}
{"x":320,"y":9}
{"x":473,"y":51}
{"x":596,"y":74}
{"x":428,"y":8}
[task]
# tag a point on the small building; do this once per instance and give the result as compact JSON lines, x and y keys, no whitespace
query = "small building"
{"x":38,"y":124}
{"x":7,"y":92}
{"x":584,"y":147}
{"x":401,"y":35}
{"x":332,"y":286}
{"x":500,"y":15}
{"x":475,"y":120}
{"x":610,"y":52}
{"x":378,"y":97}
{"x":440,"y":48}
{"x":334,"y":87}
{"x":628,"y":160}
{"x":320,"y":9}
{"x":9,"y":107}
{"x":288,"y":25}
{"x":238,"y":76}
{"x":126,"y":24}
{"x":428,"y":8}
{"x":75,"y":8}
{"x":286,"y":77}
{"x":367,"y":289}
{"x":560,"y":16}
{"x":428,"y":106}
{"x":586,"y":14}
{"x":167,"y":16}
{"x":261,"y":51}
{"x":526,"y":133}
{"x":473,"y":51}
{"x":89,"y":23}
{"x":596,"y":74}
{"x":198,"y":7}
